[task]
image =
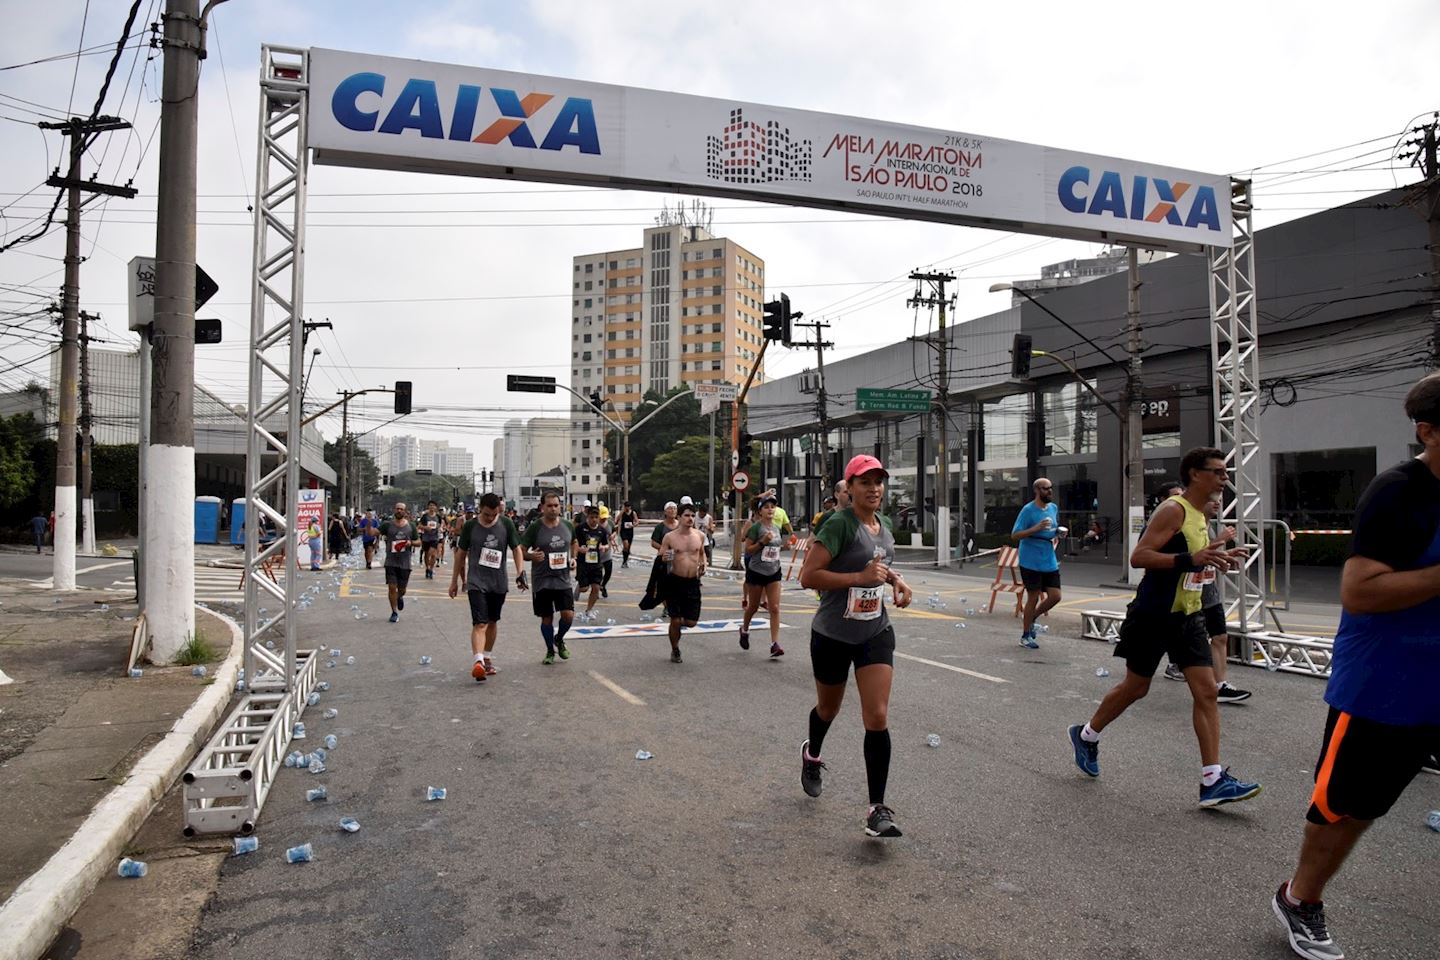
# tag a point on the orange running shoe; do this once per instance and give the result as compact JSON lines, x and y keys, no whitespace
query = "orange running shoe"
{"x":478,"y":671}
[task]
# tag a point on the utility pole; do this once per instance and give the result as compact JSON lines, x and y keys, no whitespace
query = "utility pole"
{"x":822,"y":406}
{"x":1134,"y":424}
{"x":80,"y":133}
{"x":168,"y":552}
{"x":937,"y":298}
{"x":87,"y":496}
{"x":344,"y":449}
{"x":735,"y":417}
{"x":1427,"y":157}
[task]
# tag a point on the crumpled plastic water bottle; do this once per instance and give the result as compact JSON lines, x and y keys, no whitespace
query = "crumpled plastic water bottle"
{"x":334,"y":651}
{"x":331,"y":741}
{"x":245,"y":845}
{"x":644,"y":755}
{"x":435,"y":793}
{"x":932,"y":740}
{"x":349,"y":824}
{"x":349,"y":661}
{"x":1101,"y":672}
{"x":313,"y":699}
{"x":130,"y":869}
{"x":1432,"y":820}
{"x":424,"y":661}
{"x":136,"y":673}
{"x":298,"y":732}
{"x":317,"y":765}
{"x":323,"y":686}
{"x":301,"y":854}
{"x":316,"y":793}
{"x":330,"y":714}
{"x":961,"y":625}
{"x":198,"y":672}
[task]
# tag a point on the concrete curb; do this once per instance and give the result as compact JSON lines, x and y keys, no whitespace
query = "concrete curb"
{"x":42,"y":905}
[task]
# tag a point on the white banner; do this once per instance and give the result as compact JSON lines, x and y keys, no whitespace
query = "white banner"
{"x":709,"y":405}
{"x":390,"y":113}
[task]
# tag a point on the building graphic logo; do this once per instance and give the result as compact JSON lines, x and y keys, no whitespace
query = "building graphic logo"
{"x":751,"y":152}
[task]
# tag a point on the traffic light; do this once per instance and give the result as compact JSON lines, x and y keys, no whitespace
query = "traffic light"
{"x":618,"y":470}
{"x":1020,"y":357}
{"x":595,"y":401}
{"x":777,"y":320}
{"x":402,"y":397}
{"x":746,"y":457}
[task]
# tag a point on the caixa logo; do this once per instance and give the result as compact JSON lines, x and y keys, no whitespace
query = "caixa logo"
{"x":1109,"y":195}
{"x":417,"y":107}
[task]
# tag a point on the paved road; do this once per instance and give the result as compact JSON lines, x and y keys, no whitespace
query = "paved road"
{"x":555,"y":841}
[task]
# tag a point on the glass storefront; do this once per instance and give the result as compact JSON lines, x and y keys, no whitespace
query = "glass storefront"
{"x":1333,"y":482}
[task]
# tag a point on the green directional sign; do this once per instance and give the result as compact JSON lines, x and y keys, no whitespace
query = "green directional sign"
{"x":892,"y":401}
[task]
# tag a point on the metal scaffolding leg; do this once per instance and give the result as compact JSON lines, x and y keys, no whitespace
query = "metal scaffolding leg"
{"x":1235,"y":353}
{"x":239,"y":764}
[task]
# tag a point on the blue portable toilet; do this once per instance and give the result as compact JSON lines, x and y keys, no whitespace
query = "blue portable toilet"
{"x":207,"y":519}
{"x":237,"y":522}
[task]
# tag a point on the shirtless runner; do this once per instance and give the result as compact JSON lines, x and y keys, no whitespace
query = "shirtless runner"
{"x":684,"y":550}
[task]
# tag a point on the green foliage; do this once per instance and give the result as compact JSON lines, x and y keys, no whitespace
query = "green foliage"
{"x":653,"y":481}
{"x":359,"y":461}
{"x":414,"y":491}
{"x":681,"y":471}
{"x":196,"y":650}
{"x":17,"y":468}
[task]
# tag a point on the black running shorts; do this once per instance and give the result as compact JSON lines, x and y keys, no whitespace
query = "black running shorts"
{"x":400,"y":576}
{"x":1147,"y":637}
{"x":485,"y":606}
{"x":831,"y":660}
{"x":1037,"y":581}
{"x":587,"y":576}
{"x":548,"y":602}
{"x":682,"y":597}
{"x":1365,"y":765}
{"x":761,"y":579}
{"x":1215,"y":621}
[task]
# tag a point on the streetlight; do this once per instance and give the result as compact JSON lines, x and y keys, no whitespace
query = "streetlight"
{"x":1132,"y":472}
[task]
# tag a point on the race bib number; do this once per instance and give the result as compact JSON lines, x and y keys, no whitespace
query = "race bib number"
{"x":559,"y":561}
{"x":490,"y":557}
{"x":629,"y":526}
{"x":592,"y":556}
{"x":770,"y":553}
{"x":1197,"y":580}
{"x":864,"y":603}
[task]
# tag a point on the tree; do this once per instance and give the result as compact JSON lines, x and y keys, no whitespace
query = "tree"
{"x":681,"y":419}
{"x":681,"y":470}
{"x":17,"y":469}
{"x":360,"y":462}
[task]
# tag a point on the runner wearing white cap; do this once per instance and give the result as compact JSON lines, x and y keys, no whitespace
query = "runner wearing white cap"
{"x":849,"y":559}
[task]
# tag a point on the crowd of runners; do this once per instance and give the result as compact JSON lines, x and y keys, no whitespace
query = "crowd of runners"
{"x":1383,"y":725}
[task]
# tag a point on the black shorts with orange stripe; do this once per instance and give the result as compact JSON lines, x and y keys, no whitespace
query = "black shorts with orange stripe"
{"x":1365,"y":765}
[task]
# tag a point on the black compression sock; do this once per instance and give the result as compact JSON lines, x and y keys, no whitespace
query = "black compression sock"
{"x":877,"y":762}
{"x":561,"y":629}
{"x":818,"y":729}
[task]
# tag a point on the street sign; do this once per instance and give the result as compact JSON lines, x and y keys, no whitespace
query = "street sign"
{"x":207,"y":331}
{"x":734,"y":459}
{"x":892,"y":401}
{"x":423,"y":472}
{"x":516,"y":383}
{"x":724,"y":392}
{"x":806,"y":442}
{"x":141,"y":272}
{"x":741,"y":480}
{"x":709,"y":405}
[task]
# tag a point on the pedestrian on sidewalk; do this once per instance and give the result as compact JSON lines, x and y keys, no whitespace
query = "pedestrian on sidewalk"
{"x":1035,"y":530}
{"x":38,"y":523}
{"x":1384,"y":718}
{"x":317,"y":546}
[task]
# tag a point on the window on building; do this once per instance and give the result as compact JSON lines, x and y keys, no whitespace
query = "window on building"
{"x":589,"y":268}
{"x":1318,"y":489}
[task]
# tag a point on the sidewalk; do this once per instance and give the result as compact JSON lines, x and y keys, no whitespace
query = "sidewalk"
{"x":74,"y":728}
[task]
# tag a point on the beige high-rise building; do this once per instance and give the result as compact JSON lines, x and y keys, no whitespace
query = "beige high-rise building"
{"x":683,"y":308}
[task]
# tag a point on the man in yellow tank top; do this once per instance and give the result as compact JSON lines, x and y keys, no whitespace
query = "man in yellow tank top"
{"x":1178,"y":558}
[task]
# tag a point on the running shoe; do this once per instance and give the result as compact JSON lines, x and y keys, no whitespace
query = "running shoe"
{"x":563,"y":650}
{"x":1227,"y":790}
{"x":478,"y":671}
{"x":810,"y":772}
{"x":1027,"y":640}
{"x":1305,"y":926}
{"x":880,"y":822}
{"x":549,"y":659}
{"x":744,"y":639}
{"x":399,"y":603}
{"x":1231,"y":694}
{"x":1087,"y":754}
{"x":675,"y":657}
{"x":490,"y":669}
{"x":1173,"y":672}
{"x":1431,"y":764}
{"x":776,"y":651}
{"x":394,"y":617}
{"x":604,"y":593}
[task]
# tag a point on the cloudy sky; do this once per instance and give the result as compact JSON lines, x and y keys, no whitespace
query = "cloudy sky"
{"x":453,"y":282}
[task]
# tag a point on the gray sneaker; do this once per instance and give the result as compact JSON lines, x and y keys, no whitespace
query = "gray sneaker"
{"x":810,"y":771}
{"x":1173,"y":672}
{"x":1305,"y":926}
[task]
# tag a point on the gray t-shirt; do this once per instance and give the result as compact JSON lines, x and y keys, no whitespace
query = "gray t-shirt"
{"x":553,"y":572}
{"x":430,"y":527}
{"x":766,"y":560}
{"x":487,"y":550}
{"x":856,"y":614}
{"x":398,"y":537}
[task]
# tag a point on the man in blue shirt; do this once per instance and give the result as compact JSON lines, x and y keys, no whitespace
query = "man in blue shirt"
{"x":1035,"y":530}
{"x":1384,"y":717}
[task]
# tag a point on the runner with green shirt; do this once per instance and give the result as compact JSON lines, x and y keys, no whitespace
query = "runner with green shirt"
{"x":401,"y":538}
{"x":1178,"y":558}
{"x":548,"y":542}
{"x":849,"y":560}
{"x":480,"y":554}
{"x":762,"y":573}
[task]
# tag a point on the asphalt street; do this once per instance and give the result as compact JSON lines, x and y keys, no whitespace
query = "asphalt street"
{"x":555,"y":841}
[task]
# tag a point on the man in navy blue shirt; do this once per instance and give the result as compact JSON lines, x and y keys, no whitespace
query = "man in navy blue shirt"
{"x":1035,"y":530}
{"x":1384,"y":719}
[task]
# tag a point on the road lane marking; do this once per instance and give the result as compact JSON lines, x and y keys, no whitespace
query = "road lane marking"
{"x":616,"y":689}
{"x":946,"y":666}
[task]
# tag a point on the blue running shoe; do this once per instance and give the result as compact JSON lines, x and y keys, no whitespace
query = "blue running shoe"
{"x":394,"y":617}
{"x":1087,"y":755}
{"x":1027,"y":640}
{"x":1227,"y":790}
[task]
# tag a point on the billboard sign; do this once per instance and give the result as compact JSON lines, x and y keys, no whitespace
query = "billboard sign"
{"x":392,"y":113}
{"x":309,"y":505}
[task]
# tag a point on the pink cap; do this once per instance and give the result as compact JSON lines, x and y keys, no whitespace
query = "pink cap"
{"x":863,"y":463}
